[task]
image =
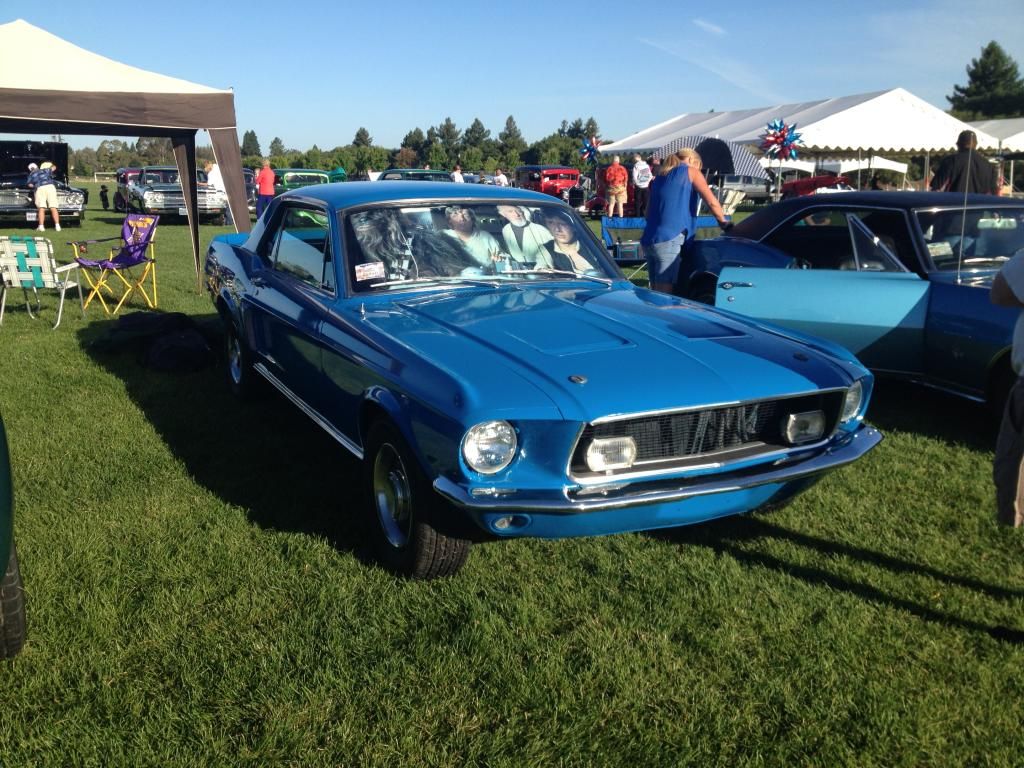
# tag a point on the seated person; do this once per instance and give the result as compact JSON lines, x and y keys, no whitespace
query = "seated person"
{"x":524,"y":240}
{"x":564,"y":248}
{"x":479,"y":244}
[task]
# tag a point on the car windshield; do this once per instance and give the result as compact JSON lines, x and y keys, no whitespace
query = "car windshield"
{"x":305,"y":178}
{"x":979,"y":238}
{"x":469,"y":242}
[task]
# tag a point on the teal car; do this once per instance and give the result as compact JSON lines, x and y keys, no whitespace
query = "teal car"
{"x":287,"y":179}
{"x":12,"y":595}
{"x":901,"y":279}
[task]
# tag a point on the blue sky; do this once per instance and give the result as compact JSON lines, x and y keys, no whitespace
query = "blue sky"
{"x":313,"y":72}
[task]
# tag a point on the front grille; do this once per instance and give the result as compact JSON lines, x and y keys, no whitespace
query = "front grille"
{"x":688,"y":438}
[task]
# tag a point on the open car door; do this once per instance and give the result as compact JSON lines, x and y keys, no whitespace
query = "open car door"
{"x":868,"y":303}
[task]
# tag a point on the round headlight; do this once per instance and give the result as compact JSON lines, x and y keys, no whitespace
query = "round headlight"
{"x":852,"y":402}
{"x":489,"y":447}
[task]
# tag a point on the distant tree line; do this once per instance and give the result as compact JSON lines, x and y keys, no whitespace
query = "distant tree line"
{"x":442,"y":146}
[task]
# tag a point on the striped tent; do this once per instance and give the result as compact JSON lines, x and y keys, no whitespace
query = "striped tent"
{"x":718,"y":155}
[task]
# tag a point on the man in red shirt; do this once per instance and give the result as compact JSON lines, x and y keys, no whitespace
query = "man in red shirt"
{"x":264,"y":188}
{"x":615,"y":177}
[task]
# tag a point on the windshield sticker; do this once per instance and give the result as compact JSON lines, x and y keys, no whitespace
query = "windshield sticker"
{"x":373,"y":270}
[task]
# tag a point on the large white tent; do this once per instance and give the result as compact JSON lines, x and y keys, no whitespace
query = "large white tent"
{"x":1009,"y":132}
{"x":81,"y":92}
{"x":886,"y":122}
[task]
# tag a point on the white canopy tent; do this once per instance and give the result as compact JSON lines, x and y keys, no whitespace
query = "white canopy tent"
{"x":804,"y":166}
{"x":888,"y":122}
{"x":873,"y":163}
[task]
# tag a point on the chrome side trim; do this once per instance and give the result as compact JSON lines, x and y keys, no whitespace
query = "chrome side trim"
{"x":848,"y":449}
{"x":325,"y":425}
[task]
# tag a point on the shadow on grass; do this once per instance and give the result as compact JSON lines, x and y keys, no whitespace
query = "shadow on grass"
{"x":727,"y":536}
{"x":263,"y":456}
{"x":905,"y":407}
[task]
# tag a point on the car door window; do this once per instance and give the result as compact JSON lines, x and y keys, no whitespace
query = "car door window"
{"x":302,"y":247}
{"x":834,"y":237}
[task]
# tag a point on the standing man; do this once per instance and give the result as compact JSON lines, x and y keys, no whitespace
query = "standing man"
{"x":264,"y":187}
{"x":642,"y":176}
{"x":965,"y":171}
{"x":44,"y":190}
{"x":615,"y":179}
{"x":500,"y":179}
{"x":1008,"y":462}
{"x":215,"y":180}
{"x":457,"y":175}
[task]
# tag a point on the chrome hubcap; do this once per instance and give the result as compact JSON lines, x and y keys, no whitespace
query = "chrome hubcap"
{"x":234,"y":358}
{"x":392,"y":495}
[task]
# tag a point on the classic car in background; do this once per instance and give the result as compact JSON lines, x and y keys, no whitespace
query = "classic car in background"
{"x":157,"y":191}
{"x":815,"y":185}
{"x":124,"y":178}
{"x":414,"y":174}
{"x":286,"y":179}
{"x":901,"y":279}
{"x":476,"y":348}
{"x":17,"y":202}
{"x":12,"y":594}
{"x":251,"y":191}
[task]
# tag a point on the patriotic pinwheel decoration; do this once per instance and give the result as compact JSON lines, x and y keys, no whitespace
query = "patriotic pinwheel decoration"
{"x":781,"y":140}
{"x":589,"y":149}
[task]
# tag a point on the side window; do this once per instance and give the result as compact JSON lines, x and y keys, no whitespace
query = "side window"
{"x":302,"y":247}
{"x":817,"y":239}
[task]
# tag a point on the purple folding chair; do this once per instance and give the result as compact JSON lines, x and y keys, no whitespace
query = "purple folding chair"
{"x":136,"y":251}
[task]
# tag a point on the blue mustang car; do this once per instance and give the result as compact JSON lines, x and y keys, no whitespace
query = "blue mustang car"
{"x":477,"y":349}
{"x":901,"y":279}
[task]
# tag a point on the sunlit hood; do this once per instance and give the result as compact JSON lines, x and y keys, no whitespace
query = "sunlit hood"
{"x":597,"y":351}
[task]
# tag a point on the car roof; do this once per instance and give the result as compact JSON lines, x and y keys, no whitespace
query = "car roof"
{"x":762,"y":221}
{"x":299,"y":170}
{"x":350,"y":193}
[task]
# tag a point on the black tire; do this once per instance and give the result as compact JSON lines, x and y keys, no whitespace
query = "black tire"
{"x":12,"y":609}
{"x":242,"y":379}
{"x":402,"y":509}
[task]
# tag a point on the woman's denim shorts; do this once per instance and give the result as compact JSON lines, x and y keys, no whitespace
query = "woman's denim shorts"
{"x":663,"y":260}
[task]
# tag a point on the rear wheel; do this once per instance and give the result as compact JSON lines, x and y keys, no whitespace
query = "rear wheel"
{"x":12,"y":609}
{"x":403,"y":510}
{"x":241,"y":376}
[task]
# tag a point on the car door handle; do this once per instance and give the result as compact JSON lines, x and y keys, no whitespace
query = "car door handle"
{"x":728,"y":286}
{"x":259,"y":282}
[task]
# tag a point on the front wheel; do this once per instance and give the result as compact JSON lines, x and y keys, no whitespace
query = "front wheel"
{"x":403,"y":508}
{"x":12,"y":609}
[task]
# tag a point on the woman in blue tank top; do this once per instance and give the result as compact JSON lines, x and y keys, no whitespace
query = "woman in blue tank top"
{"x":672,"y":215}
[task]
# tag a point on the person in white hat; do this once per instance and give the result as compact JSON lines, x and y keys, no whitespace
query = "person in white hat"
{"x":40,"y":181}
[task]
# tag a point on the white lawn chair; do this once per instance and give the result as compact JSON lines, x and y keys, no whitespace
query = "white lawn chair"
{"x":28,"y":263}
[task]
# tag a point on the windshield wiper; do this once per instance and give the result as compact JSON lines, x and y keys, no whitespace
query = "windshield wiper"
{"x":441,"y":280}
{"x":558,"y":272}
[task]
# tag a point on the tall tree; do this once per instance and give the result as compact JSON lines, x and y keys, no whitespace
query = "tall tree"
{"x":476,"y":134}
{"x":449,"y":136}
{"x":250,"y":144}
{"x":994,"y":87}
{"x":362,"y":139}
{"x":590,"y":128}
{"x":511,"y":144}
{"x":154,"y":150}
{"x":276,"y":147}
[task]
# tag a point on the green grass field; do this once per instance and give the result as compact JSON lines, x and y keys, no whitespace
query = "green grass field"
{"x":199,"y":594}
